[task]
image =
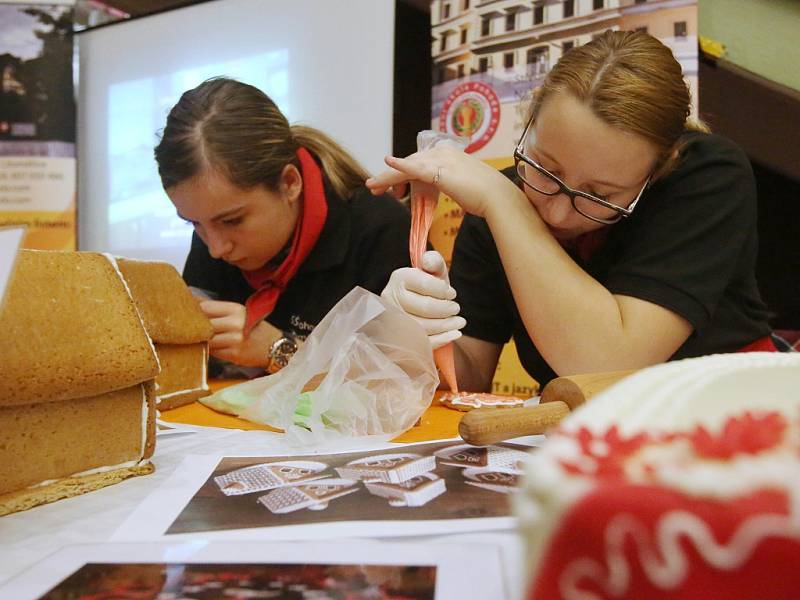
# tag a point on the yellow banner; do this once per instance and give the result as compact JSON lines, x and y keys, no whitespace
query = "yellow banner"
{"x":39,"y":193}
{"x":45,"y":230}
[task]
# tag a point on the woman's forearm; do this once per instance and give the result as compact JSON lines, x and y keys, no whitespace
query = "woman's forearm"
{"x":475,"y":362}
{"x":575,"y":322}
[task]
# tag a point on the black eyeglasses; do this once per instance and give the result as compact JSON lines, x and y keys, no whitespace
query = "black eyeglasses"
{"x":543,"y":181}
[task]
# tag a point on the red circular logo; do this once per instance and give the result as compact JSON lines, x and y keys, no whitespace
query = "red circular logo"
{"x":472,"y":110}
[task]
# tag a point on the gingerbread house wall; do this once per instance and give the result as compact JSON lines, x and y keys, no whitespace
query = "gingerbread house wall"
{"x":183,"y":374}
{"x":52,"y":440}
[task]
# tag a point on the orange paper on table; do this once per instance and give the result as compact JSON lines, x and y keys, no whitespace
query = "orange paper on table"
{"x":424,"y":198}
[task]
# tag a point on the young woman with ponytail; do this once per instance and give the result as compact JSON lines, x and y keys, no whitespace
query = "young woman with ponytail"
{"x":284,"y":227}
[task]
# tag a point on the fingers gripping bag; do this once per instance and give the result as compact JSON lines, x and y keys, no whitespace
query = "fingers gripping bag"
{"x":424,"y":199}
{"x":366,"y":370}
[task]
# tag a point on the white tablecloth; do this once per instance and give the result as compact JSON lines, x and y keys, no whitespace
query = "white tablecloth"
{"x":29,"y":536}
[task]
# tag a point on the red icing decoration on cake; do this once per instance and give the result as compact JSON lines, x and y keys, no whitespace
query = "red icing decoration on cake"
{"x":630,"y":539}
{"x":745,"y":434}
{"x":632,"y":542}
{"x":742,"y":434}
{"x":608,"y":452}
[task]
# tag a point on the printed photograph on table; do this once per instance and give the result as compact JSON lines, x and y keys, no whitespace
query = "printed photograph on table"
{"x":205,"y":570}
{"x":220,"y":581}
{"x":440,"y":481}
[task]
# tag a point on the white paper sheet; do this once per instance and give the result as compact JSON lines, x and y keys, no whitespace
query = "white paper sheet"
{"x":28,"y":537}
{"x":164,"y":428}
{"x":10,"y":239}
{"x":172,"y":565}
{"x":192,"y":503}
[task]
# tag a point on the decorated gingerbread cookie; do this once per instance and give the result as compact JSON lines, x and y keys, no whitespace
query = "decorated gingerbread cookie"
{"x":466,"y":401}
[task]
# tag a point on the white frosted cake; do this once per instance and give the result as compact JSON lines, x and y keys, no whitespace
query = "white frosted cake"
{"x":682,"y":480}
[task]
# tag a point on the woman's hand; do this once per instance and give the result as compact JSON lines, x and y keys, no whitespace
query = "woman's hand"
{"x":469,"y":181}
{"x":427,"y":297}
{"x":229,"y":341}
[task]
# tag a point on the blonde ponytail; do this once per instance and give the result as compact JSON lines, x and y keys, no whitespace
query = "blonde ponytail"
{"x":344,"y":172}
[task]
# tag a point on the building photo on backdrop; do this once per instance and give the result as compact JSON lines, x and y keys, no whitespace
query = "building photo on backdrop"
{"x":488,"y":57}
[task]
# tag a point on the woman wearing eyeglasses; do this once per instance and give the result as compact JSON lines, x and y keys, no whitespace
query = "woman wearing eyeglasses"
{"x":625,"y":235}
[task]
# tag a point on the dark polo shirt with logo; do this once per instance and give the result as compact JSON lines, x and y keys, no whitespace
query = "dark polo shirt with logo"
{"x":364,"y":239}
{"x":690,"y":246}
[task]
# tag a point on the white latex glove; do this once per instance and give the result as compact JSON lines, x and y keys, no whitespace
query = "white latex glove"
{"x":426,"y":296}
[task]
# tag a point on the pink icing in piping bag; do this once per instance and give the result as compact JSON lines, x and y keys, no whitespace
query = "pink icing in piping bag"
{"x":424,"y":198}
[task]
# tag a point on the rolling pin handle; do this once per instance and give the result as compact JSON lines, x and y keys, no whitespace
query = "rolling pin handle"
{"x":486,"y":426}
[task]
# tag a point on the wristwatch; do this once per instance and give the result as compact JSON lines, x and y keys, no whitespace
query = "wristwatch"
{"x":281,"y":351}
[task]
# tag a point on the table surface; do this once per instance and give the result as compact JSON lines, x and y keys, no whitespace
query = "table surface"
{"x":27,"y":537}
{"x":438,"y":422}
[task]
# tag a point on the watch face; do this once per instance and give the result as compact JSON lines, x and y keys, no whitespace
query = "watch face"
{"x":286,"y":346}
{"x":282,"y":350}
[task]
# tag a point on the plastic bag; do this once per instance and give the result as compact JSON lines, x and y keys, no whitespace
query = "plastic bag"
{"x":424,"y":199}
{"x":366,"y":370}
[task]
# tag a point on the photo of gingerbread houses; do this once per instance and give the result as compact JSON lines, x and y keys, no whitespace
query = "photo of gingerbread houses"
{"x":268,"y":476}
{"x":498,"y":457}
{"x":315,"y":495}
{"x":389,"y":468}
{"x":404,"y":478}
{"x":76,"y":380}
{"x":417,"y":491}
{"x":179,"y":330}
{"x":503,"y":482}
{"x":439,"y":482}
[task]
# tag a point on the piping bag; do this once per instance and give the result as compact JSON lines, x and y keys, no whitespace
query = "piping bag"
{"x":424,"y":199}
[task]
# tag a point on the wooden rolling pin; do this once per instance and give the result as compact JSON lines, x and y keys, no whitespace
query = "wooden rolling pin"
{"x":485,"y":426}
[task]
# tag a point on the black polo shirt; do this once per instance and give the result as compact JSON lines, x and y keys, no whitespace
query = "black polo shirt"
{"x":690,"y":246}
{"x":364,"y":239}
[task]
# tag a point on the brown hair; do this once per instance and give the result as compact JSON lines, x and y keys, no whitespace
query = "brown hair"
{"x":237,"y":130}
{"x":631,"y":81}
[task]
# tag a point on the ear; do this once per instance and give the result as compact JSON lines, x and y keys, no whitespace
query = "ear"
{"x":291,"y":183}
{"x":673,"y":155}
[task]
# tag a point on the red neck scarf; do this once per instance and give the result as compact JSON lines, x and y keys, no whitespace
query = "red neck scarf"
{"x":269,"y":281}
{"x":585,"y":245}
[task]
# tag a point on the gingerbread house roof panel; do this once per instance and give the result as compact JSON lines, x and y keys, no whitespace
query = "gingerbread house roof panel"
{"x":170,"y":313}
{"x":70,"y":330}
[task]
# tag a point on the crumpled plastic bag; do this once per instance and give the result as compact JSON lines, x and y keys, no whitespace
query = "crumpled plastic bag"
{"x":428,"y":138}
{"x":424,"y":199}
{"x":366,"y":370}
